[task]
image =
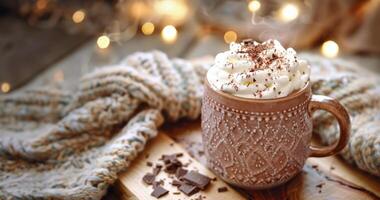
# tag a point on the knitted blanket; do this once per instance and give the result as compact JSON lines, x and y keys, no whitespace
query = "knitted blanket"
{"x":57,"y":144}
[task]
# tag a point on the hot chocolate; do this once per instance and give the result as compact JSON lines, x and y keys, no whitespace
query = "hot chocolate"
{"x":262,"y":140}
{"x":258,"y":70}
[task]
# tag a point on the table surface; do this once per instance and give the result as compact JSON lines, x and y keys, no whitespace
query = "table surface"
{"x":343,"y":181}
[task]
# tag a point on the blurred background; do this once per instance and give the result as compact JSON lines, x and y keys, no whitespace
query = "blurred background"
{"x":60,"y":40}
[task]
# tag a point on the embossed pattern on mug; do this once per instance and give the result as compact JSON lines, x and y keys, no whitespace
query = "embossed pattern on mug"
{"x":255,"y":148}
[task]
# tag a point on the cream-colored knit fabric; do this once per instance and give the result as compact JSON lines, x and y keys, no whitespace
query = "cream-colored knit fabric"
{"x":58,"y":144}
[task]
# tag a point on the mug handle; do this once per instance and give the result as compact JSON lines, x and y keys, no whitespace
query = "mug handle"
{"x":340,"y":113}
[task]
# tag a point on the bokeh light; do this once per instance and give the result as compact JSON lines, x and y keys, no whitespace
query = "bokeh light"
{"x":330,"y":49}
{"x":175,"y":10}
{"x":169,"y":34}
{"x":230,"y":36}
{"x":147,"y":28}
{"x":103,"y":42}
{"x":254,"y":5}
{"x":289,"y":12}
{"x":5,"y":87}
{"x":78,"y":16}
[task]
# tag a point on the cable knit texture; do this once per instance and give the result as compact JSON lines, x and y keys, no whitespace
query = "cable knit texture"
{"x":57,"y":144}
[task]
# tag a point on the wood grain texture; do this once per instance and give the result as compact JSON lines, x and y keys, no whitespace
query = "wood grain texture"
{"x":131,"y":185}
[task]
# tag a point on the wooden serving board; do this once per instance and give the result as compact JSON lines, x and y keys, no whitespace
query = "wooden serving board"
{"x":131,"y":186}
{"x":321,"y":178}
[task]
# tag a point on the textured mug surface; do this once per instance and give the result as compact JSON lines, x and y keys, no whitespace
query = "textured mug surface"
{"x":257,"y":144}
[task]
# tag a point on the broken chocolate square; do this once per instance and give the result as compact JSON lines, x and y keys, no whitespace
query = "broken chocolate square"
{"x":171,"y":168}
{"x":149,"y":178}
{"x":157,"y":183}
{"x":188,"y":189}
{"x":222,"y":189}
{"x":197,"y":179}
{"x":159,"y":192}
{"x":180,"y":172}
{"x":177,"y":183}
{"x":156,"y":171}
{"x":168,"y":158}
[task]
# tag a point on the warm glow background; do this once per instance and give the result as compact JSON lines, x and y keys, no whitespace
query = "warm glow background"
{"x":332,"y":30}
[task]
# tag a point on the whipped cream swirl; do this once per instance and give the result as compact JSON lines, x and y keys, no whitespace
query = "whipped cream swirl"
{"x":258,"y":70}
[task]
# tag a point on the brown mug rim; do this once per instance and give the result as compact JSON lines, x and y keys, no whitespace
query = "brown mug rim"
{"x":252,"y":100}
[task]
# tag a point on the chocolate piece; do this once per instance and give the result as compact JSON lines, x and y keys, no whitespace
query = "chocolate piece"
{"x":222,"y":189}
{"x":156,"y":171}
{"x":188,"y":189}
{"x":177,"y":183}
{"x":197,"y":179}
{"x":198,"y":198}
{"x":157,"y":183}
{"x":176,"y":193}
{"x":168,"y":158}
{"x":158,"y":166}
{"x":179,"y":154}
{"x":171,"y":168}
{"x":149,"y":178}
{"x":180,"y":172}
{"x":159,"y":192}
{"x":320,"y":185}
{"x":149,"y":164}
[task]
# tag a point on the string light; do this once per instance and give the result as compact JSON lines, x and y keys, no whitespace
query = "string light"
{"x":330,"y":49}
{"x":254,"y":5}
{"x":289,"y":12}
{"x":169,"y":34}
{"x":5,"y":87}
{"x":103,"y":42}
{"x":147,"y":28}
{"x":230,"y":36}
{"x":78,"y":16}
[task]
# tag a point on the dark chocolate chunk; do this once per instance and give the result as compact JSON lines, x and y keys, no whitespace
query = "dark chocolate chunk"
{"x":156,"y":171}
{"x":180,"y":172}
{"x":149,"y":178}
{"x":157,"y":183}
{"x":149,"y":164}
{"x":171,"y":168}
{"x":168,"y":158}
{"x":179,"y":154}
{"x":158,"y":166}
{"x":222,"y":189}
{"x":197,"y":179}
{"x":199,"y":197}
{"x":177,"y":183}
{"x":159,"y":192}
{"x":188,"y":189}
{"x":320,"y":185}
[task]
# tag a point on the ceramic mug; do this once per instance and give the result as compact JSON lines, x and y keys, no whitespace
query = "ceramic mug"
{"x":261,"y":143}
